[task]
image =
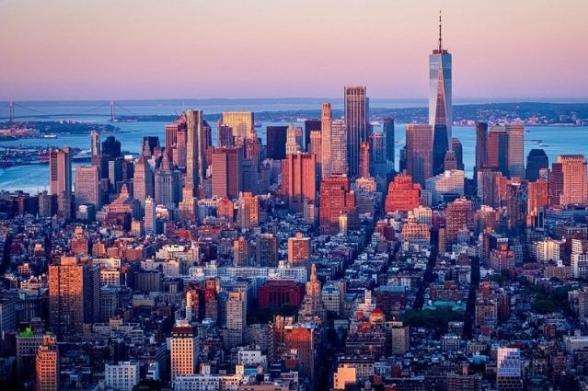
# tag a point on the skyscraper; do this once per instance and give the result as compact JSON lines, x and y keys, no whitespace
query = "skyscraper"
{"x":236,"y":317}
{"x":326,"y":115}
{"x":143,"y":185}
{"x":47,"y":365}
{"x":440,"y":106}
{"x":73,"y":294}
{"x":276,"y":142}
{"x":60,"y":179}
{"x":248,"y":210}
{"x":574,"y":190}
{"x":516,"y":150}
{"x":458,"y":216}
{"x":338,"y":154}
{"x":167,"y":187}
{"x":195,"y":151}
{"x":457,"y":149}
{"x":315,"y":148}
{"x":388,"y":130}
{"x":419,"y":152}
{"x":497,"y":149}
{"x":481,"y":139}
{"x":536,"y":160}
{"x":357,"y":125}
{"x":87,"y":185}
{"x":183,"y":350}
{"x":292,"y":144}
{"x":241,"y":122}
{"x":298,"y":180}
{"x":226,"y":172}
{"x":149,"y":215}
{"x":95,"y":150}
{"x":403,"y":195}
{"x":336,"y":201}
{"x":266,"y":250}
{"x":310,"y":125}
{"x":364,"y":160}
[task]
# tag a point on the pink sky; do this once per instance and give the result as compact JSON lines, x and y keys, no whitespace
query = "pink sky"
{"x":126,"y":49}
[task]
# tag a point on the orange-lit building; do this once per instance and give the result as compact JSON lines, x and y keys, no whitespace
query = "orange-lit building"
{"x":336,"y":200}
{"x":403,"y":195}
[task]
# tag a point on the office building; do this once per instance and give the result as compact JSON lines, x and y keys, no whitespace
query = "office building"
{"x":95,"y":149}
{"x":440,"y":104}
{"x":236,"y":317}
{"x":459,"y":216}
{"x":143,"y":180}
{"x":357,"y":125}
{"x":167,"y":189}
{"x":338,"y":154}
{"x":403,"y":194}
{"x":47,"y":365}
{"x":310,"y":125}
{"x":60,"y":180}
{"x":481,"y":145}
{"x":276,"y":142}
{"x":516,"y":150}
{"x":326,"y":119}
{"x":419,"y":150}
{"x":449,"y":183}
{"x":497,"y":149}
{"x":457,"y":149}
{"x":266,"y":250}
{"x":293,"y":139}
{"x":299,"y":180}
{"x":87,"y":186}
{"x":226,"y":172}
{"x":242,"y":124}
{"x":389,"y":137}
{"x":574,"y":188}
{"x":248,"y":214}
{"x":536,"y":161}
{"x":364,"y":160}
{"x":150,"y":217}
{"x":196,"y":144}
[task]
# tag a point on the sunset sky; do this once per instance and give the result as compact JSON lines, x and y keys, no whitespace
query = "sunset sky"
{"x":128,"y":49}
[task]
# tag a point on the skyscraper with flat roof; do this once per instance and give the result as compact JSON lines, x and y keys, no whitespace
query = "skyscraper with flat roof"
{"x":298,"y":180}
{"x":47,"y":365}
{"x":60,"y":179}
{"x":87,"y":185}
{"x":389,"y":137}
{"x":183,"y":350}
{"x":143,"y":181}
{"x":481,"y":140}
{"x":241,"y":122}
{"x":357,"y":124}
{"x":536,"y":160}
{"x":574,"y":190}
{"x":419,"y":152}
{"x":516,"y":150}
{"x":276,"y":142}
{"x":195,"y":151}
{"x":338,"y":142}
{"x":497,"y":149}
{"x":226,"y":172}
{"x":326,"y":118}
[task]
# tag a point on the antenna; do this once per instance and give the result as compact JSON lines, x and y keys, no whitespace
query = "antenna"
{"x":440,"y":39}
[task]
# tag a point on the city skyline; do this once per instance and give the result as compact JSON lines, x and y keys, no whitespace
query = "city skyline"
{"x":279,"y":41}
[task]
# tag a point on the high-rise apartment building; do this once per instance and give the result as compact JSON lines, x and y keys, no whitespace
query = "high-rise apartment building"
{"x":266,"y":250}
{"x":60,"y":179}
{"x":236,"y":317}
{"x":419,"y":152}
{"x":87,"y":186}
{"x":458,"y":216}
{"x":298,"y":180}
{"x":298,"y":249}
{"x":248,"y":210}
{"x":73,"y":294}
{"x":357,"y":125}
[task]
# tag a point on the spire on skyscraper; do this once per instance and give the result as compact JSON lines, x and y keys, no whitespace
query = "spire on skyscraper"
{"x":440,"y":37}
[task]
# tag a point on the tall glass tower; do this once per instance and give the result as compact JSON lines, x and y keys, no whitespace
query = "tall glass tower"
{"x":440,"y":109}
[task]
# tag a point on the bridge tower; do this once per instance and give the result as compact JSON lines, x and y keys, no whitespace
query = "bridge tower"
{"x":11,"y":110}
{"x":112,"y":118}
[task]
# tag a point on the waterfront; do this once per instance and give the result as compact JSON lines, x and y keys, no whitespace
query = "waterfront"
{"x":32,"y":178}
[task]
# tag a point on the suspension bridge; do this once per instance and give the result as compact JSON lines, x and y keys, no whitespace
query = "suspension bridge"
{"x":14,"y":111}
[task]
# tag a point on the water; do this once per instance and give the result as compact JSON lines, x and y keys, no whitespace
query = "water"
{"x":33,"y":178}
